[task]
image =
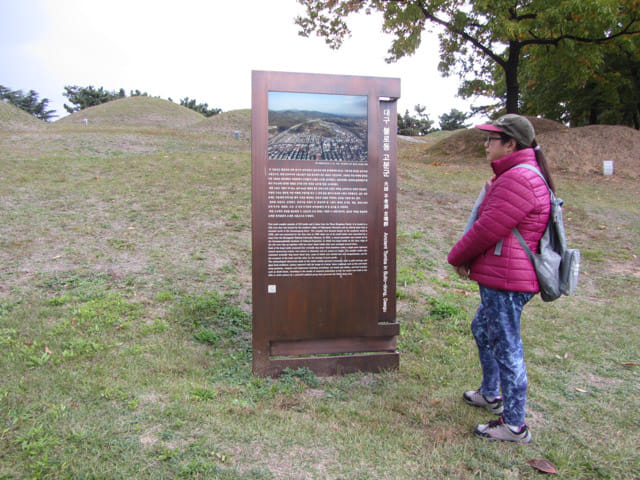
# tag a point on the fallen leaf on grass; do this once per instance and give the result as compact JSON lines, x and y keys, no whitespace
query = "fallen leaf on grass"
{"x":543,"y":465}
{"x":581,"y":390}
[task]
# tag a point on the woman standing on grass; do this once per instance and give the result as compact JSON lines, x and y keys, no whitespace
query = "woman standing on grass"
{"x":490,"y":254}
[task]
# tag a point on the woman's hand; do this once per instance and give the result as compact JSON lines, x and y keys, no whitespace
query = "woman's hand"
{"x":462,"y":270}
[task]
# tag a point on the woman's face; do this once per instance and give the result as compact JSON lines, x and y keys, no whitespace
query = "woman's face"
{"x":495,"y":148}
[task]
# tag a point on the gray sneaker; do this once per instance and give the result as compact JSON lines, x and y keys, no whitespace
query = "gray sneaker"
{"x":498,"y":430}
{"x":479,"y":400}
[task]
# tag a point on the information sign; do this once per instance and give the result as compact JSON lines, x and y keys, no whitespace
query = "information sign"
{"x":323,"y":222}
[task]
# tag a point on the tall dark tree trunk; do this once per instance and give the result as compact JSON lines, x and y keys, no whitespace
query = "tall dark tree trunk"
{"x":511,"y":78}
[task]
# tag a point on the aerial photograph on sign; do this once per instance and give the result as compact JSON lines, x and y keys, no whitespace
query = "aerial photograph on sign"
{"x":317,"y":126}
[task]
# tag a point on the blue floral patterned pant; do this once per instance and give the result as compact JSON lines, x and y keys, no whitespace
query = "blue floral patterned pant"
{"x":496,"y":329}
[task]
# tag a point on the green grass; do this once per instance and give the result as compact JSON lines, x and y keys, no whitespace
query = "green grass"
{"x":125,"y":327}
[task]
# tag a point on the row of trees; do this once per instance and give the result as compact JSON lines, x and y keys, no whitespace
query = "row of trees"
{"x":421,"y":124}
{"x":84,"y":97}
{"x":202,"y":108}
{"x":574,"y":61}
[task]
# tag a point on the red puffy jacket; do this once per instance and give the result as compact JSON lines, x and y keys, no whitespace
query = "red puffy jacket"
{"x":518,"y":197}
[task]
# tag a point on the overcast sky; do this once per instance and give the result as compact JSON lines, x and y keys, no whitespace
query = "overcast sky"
{"x":198,"y":49}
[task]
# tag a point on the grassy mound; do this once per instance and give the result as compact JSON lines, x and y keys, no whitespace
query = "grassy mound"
{"x":468,"y":144}
{"x":12,"y":118}
{"x":227,"y":124}
{"x":135,"y":112}
{"x":582,"y":150}
{"x":463,"y":145}
{"x":578,"y":150}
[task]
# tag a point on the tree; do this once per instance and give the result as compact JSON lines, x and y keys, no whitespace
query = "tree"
{"x":84,"y":97}
{"x":416,"y":125}
{"x":28,"y":102}
{"x":202,"y":108}
{"x":481,"y":38}
{"x":453,"y":120}
{"x":605,"y":89}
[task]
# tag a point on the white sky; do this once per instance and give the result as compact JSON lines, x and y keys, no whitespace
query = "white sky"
{"x":198,"y":49}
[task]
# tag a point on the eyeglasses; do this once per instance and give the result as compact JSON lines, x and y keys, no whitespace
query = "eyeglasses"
{"x":488,"y":140}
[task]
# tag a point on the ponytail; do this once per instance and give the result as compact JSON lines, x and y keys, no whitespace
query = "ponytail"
{"x":544,"y":166}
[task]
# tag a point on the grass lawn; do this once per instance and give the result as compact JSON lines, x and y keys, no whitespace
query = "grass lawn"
{"x":125,"y":326}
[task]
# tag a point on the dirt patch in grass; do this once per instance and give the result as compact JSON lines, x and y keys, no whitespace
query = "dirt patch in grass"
{"x":307,"y":463}
{"x":150,"y":437}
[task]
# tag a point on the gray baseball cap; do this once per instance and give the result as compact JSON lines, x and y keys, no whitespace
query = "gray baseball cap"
{"x":516,"y":126}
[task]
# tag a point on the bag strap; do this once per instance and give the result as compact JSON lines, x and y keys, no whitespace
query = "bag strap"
{"x":515,"y":230}
{"x":525,"y":247}
{"x":533,"y":169}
